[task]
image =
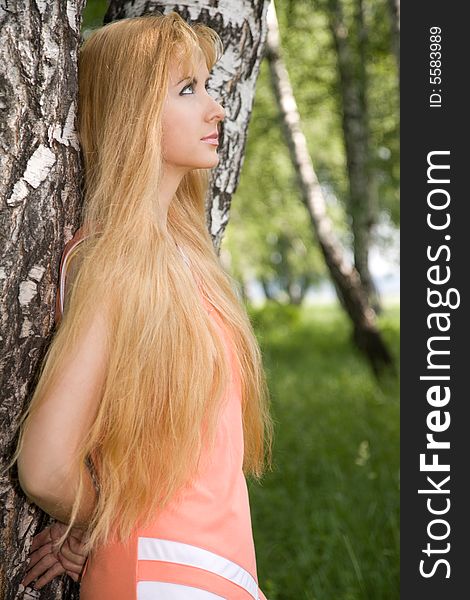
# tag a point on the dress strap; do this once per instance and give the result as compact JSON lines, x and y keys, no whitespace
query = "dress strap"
{"x":68,"y":253}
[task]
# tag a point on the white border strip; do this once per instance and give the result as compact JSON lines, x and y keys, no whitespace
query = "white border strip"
{"x":193,"y":556}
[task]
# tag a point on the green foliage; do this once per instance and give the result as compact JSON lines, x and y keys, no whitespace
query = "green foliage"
{"x":304,"y":25}
{"x":266,"y":208}
{"x":326,"y":519}
{"x":269,"y":236}
{"x":274,"y":315}
{"x":93,"y":14}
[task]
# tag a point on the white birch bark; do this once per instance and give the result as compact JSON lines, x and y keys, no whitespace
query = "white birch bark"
{"x":39,"y":166}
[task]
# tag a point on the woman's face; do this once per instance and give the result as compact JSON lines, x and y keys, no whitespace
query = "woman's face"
{"x":189,"y":115}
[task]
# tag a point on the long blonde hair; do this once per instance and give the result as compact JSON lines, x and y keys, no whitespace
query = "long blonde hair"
{"x":167,"y":368}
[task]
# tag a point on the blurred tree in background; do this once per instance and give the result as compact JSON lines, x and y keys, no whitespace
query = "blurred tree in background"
{"x":269,"y":229}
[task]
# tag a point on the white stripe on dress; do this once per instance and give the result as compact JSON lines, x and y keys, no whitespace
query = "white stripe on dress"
{"x":158,"y":590}
{"x":185,"y":554}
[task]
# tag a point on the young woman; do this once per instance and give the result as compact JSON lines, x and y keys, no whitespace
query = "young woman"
{"x":152,"y":404}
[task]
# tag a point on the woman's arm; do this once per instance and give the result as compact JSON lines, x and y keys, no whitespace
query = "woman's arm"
{"x":58,"y":501}
{"x":45,"y":464}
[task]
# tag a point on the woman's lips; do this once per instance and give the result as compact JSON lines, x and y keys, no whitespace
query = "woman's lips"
{"x":214,"y":141}
{"x":212,"y":138}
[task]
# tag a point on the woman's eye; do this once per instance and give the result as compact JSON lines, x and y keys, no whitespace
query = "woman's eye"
{"x":190,"y":85}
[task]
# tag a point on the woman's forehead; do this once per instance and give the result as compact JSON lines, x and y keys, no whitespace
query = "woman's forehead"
{"x":188,"y":66}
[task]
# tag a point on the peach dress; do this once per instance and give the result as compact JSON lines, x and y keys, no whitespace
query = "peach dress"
{"x":201,"y":547}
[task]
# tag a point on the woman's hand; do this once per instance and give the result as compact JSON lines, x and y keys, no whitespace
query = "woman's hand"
{"x":47,"y":561}
{"x":71,"y":555}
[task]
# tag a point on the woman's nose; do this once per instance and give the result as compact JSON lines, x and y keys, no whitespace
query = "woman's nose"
{"x":221,"y":112}
{"x":216,"y":111}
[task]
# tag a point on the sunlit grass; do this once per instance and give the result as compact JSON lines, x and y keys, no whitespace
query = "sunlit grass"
{"x":326,"y":520}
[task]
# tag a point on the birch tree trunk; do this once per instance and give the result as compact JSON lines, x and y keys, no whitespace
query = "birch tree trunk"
{"x":40,"y":208}
{"x":353,"y":84}
{"x":345,"y":277}
{"x":241,"y":25}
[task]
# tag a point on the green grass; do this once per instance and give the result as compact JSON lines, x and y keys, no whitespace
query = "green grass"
{"x":326,"y":519}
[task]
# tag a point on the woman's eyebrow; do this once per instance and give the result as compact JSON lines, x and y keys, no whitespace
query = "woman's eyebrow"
{"x":184,"y":79}
{"x":193,"y":79}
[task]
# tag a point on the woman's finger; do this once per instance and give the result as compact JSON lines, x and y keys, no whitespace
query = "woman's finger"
{"x":73,"y":549}
{"x":74,"y":576}
{"x":39,"y":554}
{"x":41,"y":567}
{"x":41,"y":538}
{"x":71,"y":560}
{"x":54,"y":571}
{"x":78,"y":533}
{"x":70,"y":566}
{"x":57,"y":531}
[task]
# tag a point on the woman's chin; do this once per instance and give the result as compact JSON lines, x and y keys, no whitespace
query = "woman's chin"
{"x":208,"y":163}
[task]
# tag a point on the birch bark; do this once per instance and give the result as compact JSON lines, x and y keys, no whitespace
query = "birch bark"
{"x":40,"y":163}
